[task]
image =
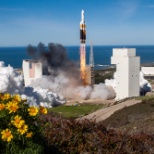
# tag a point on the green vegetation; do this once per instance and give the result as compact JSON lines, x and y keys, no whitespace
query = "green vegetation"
{"x":102,"y":75}
{"x":145,"y":98}
{"x":88,"y":137}
{"x":134,"y":119}
{"x":151,"y":81}
{"x":75,"y":111}
{"x":31,"y":130}
{"x":20,"y":126}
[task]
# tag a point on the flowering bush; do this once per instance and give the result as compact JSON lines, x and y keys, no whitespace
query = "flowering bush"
{"x":88,"y":137}
{"x":20,"y":126}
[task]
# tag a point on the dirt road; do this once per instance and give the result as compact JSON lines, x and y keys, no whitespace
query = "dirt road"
{"x":104,"y":113}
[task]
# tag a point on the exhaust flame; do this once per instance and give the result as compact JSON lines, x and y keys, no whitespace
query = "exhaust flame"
{"x":83,"y":64}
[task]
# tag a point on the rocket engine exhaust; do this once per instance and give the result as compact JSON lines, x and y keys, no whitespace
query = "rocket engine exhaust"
{"x":83,"y":63}
{"x":83,"y":49}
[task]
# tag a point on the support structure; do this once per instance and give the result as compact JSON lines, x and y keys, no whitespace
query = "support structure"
{"x":91,"y":63}
{"x":32,"y":69}
{"x":127,"y":72}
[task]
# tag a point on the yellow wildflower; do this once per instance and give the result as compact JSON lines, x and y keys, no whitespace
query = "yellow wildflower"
{"x":33,"y":111}
{"x":5,"y":96}
{"x":29,"y":134}
{"x":23,"y":129}
{"x":18,"y":122}
{"x":43,"y":110}
{"x":2,"y":106}
{"x":6,"y":135}
{"x":16,"y":98}
{"x":12,"y":107}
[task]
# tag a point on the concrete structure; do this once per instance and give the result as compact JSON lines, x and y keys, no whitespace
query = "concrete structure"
{"x":88,"y":75}
{"x":91,"y":63}
{"x":147,"y":71}
{"x":127,"y":72}
{"x":32,"y":69}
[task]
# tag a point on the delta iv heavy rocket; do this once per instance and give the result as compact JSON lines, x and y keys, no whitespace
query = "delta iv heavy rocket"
{"x":82,"y":29}
{"x":82,"y":48}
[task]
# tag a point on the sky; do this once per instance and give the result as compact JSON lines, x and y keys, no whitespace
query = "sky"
{"x":109,"y":22}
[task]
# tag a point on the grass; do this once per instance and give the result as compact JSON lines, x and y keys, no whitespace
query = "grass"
{"x":145,"y":98}
{"x":75,"y":111}
{"x":101,"y":75}
{"x":136,"y":118}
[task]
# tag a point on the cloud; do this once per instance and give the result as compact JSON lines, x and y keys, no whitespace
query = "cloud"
{"x":128,"y":8}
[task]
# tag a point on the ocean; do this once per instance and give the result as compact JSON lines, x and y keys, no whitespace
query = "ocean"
{"x":102,"y":54}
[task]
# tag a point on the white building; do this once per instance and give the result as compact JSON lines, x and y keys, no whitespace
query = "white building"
{"x":127,"y":71}
{"x":147,"y":71}
{"x":32,"y":69}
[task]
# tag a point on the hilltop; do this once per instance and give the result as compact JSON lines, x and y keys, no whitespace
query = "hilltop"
{"x":134,"y":119}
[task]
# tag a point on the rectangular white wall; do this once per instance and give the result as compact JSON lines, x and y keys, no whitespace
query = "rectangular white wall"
{"x":127,"y":72}
{"x":147,"y":70}
{"x":32,"y":70}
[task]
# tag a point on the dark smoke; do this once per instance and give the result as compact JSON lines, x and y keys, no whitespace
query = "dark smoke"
{"x":54,"y":59}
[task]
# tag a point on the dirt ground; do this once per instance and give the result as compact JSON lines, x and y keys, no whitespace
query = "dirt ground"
{"x":90,"y":101}
{"x":104,"y":113}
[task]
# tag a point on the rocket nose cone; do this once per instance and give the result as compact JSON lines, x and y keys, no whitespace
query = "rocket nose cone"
{"x":82,"y":15}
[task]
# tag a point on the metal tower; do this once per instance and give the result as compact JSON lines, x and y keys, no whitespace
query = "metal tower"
{"x":91,"y":56}
{"x":91,"y":63}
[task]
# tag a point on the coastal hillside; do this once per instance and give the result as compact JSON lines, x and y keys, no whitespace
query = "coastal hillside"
{"x":134,"y":119}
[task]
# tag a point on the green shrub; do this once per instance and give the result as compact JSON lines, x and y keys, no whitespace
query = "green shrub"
{"x":80,"y":137}
{"x":102,"y":78}
{"x":20,"y":127}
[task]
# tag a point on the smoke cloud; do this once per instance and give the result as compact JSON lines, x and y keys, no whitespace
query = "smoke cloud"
{"x":10,"y":81}
{"x":64,"y":75}
{"x":55,"y":60}
{"x":144,"y":84}
{"x":13,"y":83}
{"x":62,"y":80}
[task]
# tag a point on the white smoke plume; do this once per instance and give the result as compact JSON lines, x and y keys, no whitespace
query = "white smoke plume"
{"x":63,"y":75}
{"x":51,"y":90}
{"x":101,"y":91}
{"x":66,"y":87}
{"x":12,"y":82}
{"x":144,"y":84}
{"x":112,"y":82}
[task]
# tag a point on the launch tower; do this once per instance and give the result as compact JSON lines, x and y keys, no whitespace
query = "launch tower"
{"x":91,"y":63}
{"x":127,"y":72}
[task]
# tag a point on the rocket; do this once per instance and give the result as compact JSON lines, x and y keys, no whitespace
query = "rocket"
{"x":84,"y":70}
{"x":83,"y":49}
{"x":82,"y":28}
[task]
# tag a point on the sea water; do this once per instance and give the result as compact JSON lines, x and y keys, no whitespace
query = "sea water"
{"x":102,"y":55}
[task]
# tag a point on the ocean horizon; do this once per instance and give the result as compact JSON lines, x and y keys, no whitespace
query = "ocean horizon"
{"x":102,"y":54}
